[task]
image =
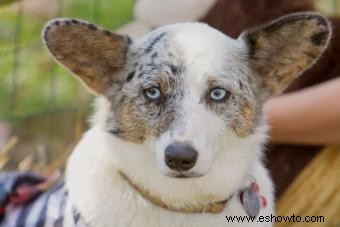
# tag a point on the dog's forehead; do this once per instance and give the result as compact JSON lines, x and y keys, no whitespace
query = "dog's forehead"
{"x":196,"y":46}
{"x":200,"y":41}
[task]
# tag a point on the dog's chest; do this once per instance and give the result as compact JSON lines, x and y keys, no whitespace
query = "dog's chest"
{"x":127,"y":208}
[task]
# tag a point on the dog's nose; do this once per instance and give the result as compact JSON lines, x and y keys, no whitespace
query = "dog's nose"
{"x":180,"y":156}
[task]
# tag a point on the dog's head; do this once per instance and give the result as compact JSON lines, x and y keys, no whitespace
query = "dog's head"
{"x":187,"y":97}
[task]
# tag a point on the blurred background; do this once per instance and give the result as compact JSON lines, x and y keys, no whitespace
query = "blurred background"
{"x":44,"y":110}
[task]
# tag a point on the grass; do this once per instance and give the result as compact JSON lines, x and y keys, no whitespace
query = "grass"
{"x":30,"y":82}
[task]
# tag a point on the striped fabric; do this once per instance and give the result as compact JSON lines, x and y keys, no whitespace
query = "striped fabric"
{"x":25,"y":203}
{"x":47,"y":210}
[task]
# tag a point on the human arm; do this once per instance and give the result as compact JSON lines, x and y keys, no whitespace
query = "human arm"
{"x":309,"y":116}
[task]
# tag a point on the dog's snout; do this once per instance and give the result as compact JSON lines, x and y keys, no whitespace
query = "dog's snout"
{"x":180,"y":156}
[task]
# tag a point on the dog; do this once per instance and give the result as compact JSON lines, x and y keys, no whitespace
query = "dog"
{"x":178,"y":133}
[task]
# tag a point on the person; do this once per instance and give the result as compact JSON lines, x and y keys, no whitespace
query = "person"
{"x":310,"y":116}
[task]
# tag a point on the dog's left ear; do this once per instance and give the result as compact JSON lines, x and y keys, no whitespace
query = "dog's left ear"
{"x":95,"y":55}
{"x":282,"y":50}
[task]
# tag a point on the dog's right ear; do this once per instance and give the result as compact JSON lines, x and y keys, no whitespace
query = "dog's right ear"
{"x":281,"y":50}
{"x":93,"y":54}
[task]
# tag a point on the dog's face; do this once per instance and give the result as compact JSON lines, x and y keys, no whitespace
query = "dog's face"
{"x":187,"y":92}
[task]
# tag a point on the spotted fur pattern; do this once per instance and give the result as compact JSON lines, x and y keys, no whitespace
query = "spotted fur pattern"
{"x":152,"y":64}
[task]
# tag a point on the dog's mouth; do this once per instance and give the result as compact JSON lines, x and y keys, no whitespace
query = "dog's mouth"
{"x":181,"y":175}
{"x":184,"y":175}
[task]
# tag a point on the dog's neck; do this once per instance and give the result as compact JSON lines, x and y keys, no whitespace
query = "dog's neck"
{"x":211,"y":207}
{"x":250,"y":198}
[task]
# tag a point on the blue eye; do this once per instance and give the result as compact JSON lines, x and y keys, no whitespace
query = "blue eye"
{"x":152,"y":93}
{"x":219,"y":94}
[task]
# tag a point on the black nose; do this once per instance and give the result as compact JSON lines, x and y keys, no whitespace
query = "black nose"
{"x":180,"y":156}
